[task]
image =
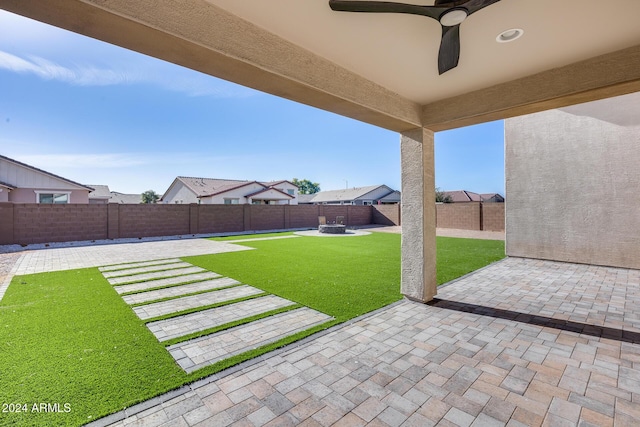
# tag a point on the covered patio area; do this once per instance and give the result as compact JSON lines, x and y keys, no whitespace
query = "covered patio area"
{"x":522,"y":342}
{"x":458,"y":361}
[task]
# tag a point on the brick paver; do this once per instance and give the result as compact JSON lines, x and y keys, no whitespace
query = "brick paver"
{"x":158,"y":283}
{"x":201,"y":352}
{"x":67,"y":258}
{"x":152,"y":310}
{"x":183,"y":325}
{"x":187,"y":269}
{"x":601,"y":296}
{"x":137,"y":264}
{"x":145,"y":269}
{"x":175,"y":291}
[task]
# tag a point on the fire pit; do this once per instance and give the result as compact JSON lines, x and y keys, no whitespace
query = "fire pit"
{"x":332,"y":228}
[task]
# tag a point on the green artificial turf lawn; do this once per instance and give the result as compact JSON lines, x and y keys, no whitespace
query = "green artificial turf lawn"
{"x":69,"y":338}
{"x":457,"y":257}
{"x":252,"y":236}
{"x":340,"y":276}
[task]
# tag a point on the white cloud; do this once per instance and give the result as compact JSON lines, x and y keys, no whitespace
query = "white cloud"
{"x":82,"y":76}
{"x":84,"y":161}
{"x":144,"y":71}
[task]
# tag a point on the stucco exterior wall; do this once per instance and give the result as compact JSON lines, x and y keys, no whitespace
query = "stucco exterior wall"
{"x":572,"y":189}
{"x":238,"y":193}
{"x":28,"y":195}
{"x":284,"y":186}
{"x":4,"y":195}
{"x":179,"y":194}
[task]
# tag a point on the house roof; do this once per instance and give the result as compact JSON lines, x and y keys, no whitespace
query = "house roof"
{"x":305,"y":198}
{"x":5,"y":185}
{"x":487,"y":196}
{"x":100,"y":192}
{"x":230,"y":187}
{"x":272,"y":183}
{"x":394,"y":196}
{"x":346,"y":194}
{"x":463,"y":196}
{"x":272,"y":190}
{"x":33,"y":168}
{"x":125,"y":199}
{"x":209,"y":186}
{"x":206,"y":187}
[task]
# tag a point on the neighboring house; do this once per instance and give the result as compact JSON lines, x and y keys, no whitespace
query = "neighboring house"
{"x":102,"y":195}
{"x":125,"y":199}
{"x":393,"y":198}
{"x":22,"y":183}
{"x":470,"y":196}
{"x":492,"y":198}
{"x":370,"y":195}
{"x":230,"y":192}
{"x":462,"y":196}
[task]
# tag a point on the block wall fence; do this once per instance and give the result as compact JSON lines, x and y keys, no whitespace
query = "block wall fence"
{"x":471,"y":216}
{"x":27,"y":223}
{"x":22,"y":223}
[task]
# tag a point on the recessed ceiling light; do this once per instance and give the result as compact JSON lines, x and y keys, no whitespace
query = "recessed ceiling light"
{"x":509,"y":35}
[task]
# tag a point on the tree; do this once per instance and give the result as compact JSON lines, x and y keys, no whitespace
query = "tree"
{"x":441,"y":197}
{"x":305,"y":186}
{"x":150,"y":196}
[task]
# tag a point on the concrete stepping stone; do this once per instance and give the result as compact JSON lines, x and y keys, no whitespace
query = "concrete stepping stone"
{"x":171,"y":281}
{"x":185,"y":303}
{"x":200,"y":352}
{"x":138,"y":264}
{"x":184,"y":325}
{"x":155,"y":275}
{"x":145,"y":269}
{"x":175,"y":291}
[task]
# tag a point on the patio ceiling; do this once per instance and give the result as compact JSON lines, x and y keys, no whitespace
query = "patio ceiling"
{"x":379,"y":68}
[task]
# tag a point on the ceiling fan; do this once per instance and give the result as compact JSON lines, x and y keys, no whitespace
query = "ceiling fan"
{"x":449,"y":13}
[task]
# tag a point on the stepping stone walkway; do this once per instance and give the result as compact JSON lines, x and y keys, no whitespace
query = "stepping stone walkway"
{"x":175,"y":291}
{"x":194,"y":301}
{"x":170,"y":287}
{"x":184,"y":325}
{"x":200,"y":352}
{"x":161,"y":283}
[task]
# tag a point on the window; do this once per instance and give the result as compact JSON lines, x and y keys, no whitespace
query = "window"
{"x":291,"y":191}
{"x":231,"y":201}
{"x":52,"y":198}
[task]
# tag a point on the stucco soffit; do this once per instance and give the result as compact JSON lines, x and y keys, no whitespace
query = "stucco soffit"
{"x":612,"y":74}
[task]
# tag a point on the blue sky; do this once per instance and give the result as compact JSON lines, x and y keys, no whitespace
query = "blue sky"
{"x":99,"y":114}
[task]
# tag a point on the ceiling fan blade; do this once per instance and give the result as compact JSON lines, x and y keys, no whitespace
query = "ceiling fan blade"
{"x":473,"y":6}
{"x":449,"y":49}
{"x":386,"y":7}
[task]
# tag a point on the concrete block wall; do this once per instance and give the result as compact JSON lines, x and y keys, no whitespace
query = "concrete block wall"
{"x":463,"y":216}
{"x":33,"y":223}
{"x":220,"y":218}
{"x":353,"y":215}
{"x":493,"y":216}
{"x":303,"y":216}
{"x":386,"y":214}
{"x":150,"y":220}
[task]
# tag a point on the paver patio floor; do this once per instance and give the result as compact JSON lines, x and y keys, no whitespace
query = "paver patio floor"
{"x":412,"y":364}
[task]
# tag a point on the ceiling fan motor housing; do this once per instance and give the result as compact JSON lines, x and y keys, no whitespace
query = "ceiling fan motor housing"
{"x":455,"y":16}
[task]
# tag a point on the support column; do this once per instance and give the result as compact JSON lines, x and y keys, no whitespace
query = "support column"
{"x":418,"y":215}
